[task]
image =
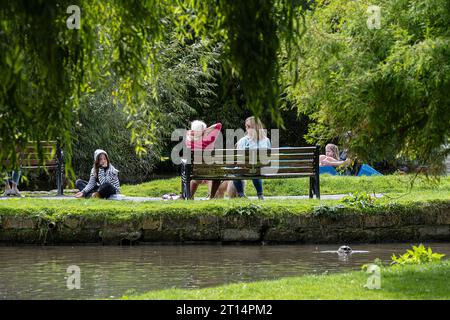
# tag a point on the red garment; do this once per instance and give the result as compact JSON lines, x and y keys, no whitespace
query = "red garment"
{"x":203,"y":140}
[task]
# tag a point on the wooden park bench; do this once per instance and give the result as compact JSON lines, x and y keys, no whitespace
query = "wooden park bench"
{"x":53,"y":158}
{"x":233,"y":164}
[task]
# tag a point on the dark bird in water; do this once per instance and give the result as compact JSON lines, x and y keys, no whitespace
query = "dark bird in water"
{"x":344,"y":250}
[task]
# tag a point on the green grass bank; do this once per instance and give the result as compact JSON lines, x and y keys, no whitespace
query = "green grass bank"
{"x":427,"y":281}
{"x":417,"y":216}
{"x":295,"y":187}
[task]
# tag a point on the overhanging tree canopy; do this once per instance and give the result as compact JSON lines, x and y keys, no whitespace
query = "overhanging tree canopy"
{"x":388,"y":86}
{"x":45,"y":67}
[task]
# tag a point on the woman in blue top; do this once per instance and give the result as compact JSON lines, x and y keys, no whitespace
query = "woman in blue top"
{"x":255,"y":138}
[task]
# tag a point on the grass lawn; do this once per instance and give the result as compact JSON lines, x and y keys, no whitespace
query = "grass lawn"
{"x":427,"y":281}
{"x":128,"y":209}
{"x":395,"y":189}
{"x":299,"y":186}
{"x":396,"y":196}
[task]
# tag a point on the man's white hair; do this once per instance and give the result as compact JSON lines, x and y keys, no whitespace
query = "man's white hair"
{"x":198,"y":125}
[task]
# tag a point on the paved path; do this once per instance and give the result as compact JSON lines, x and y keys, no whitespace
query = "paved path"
{"x":143,"y":199}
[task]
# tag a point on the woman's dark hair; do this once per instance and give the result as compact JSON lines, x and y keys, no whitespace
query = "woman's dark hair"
{"x":97,"y":163}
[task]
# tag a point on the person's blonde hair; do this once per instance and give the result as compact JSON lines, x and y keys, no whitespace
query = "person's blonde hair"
{"x":259,"y":132}
{"x":333,"y":149}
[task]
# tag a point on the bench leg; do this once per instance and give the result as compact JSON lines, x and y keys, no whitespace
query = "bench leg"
{"x":59,"y":183}
{"x":317,"y":187}
{"x":311,"y":187}
{"x":186,"y":181}
{"x":187,"y":189}
{"x":317,"y":172}
{"x":60,"y":172}
{"x":59,"y":180}
{"x":214,"y":187}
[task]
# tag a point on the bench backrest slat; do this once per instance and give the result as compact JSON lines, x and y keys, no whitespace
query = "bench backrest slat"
{"x":199,"y":158}
{"x":283,"y":150}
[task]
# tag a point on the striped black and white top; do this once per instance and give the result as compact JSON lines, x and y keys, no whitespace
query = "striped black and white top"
{"x":110,"y":175}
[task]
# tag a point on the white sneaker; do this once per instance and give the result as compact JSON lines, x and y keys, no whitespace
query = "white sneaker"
{"x":16,"y":193}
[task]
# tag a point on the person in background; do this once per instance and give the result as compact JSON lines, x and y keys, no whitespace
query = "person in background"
{"x":11,"y":184}
{"x":344,"y":153}
{"x":201,"y":137}
{"x":103,"y":181}
{"x":331,"y":157}
{"x":255,"y":138}
{"x":228,"y":187}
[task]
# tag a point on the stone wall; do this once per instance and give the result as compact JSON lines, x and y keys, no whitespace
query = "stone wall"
{"x":432,"y":224}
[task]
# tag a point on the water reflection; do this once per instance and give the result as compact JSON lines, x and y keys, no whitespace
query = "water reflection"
{"x":40,"y":272}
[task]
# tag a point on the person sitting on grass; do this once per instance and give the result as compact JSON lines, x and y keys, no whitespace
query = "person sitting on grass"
{"x":331,"y":157}
{"x":11,"y":184}
{"x":103,"y":181}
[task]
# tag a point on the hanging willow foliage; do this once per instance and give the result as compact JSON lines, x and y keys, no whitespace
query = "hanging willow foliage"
{"x":45,"y":67}
{"x":252,"y":33}
{"x":387,"y":87}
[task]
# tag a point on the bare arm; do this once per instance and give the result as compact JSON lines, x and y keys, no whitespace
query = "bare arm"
{"x":328,"y":161}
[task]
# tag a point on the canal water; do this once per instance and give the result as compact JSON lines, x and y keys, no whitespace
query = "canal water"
{"x":33,"y":272}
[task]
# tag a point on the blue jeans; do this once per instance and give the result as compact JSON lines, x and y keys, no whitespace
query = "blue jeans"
{"x":15,"y":177}
{"x":257,"y":183}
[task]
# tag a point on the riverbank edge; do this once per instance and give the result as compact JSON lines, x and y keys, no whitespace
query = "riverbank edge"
{"x":422,"y":282}
{"x":423,"y":221}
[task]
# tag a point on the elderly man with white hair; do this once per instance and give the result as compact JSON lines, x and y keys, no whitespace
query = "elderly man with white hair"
{"x":202,"y":137}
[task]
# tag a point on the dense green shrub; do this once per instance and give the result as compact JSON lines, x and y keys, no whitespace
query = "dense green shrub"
{"x":359,"y":199}
{"x":103,"y":125}
{"x":418,"y":255}
{"x":186,"y":82}
{"x":388,"y":86}
{"x":46,"y":67}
